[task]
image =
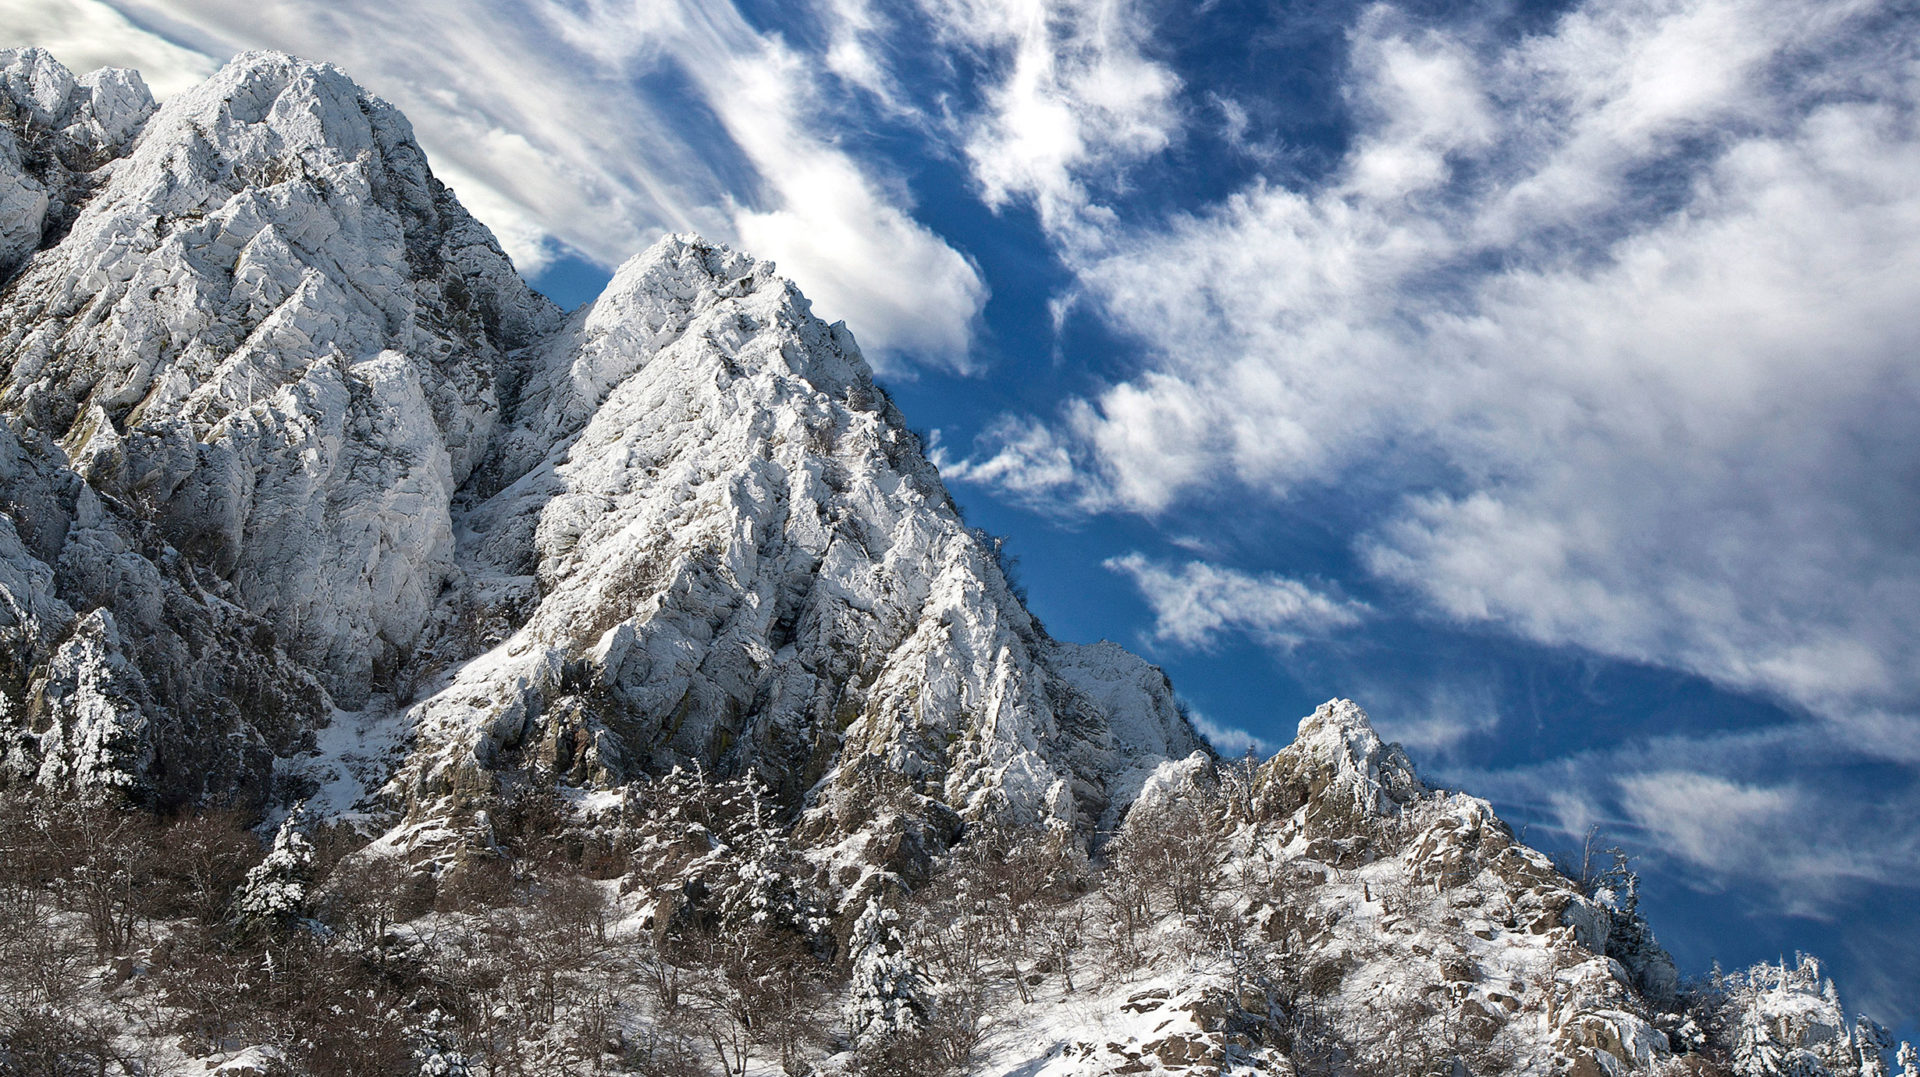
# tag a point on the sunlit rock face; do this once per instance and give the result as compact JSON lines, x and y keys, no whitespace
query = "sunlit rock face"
{"x":272,"y":397}
{"x":308,"y":498}
{"x":270,"y":332}
{"x":718,"y":542}
{"x":58,"y":132}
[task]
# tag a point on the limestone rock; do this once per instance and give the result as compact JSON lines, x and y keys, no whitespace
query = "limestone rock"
{"x":282,"y":390}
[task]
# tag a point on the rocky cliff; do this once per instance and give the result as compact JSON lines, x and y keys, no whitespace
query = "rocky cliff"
{"x":290,"y":438}
{"x":654,"y":704}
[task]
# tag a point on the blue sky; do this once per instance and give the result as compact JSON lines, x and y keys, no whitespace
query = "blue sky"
{"x":1541,"y":376}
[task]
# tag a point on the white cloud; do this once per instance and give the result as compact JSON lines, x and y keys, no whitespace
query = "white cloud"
{"x":1072,"y":98}
{"x":1772,"y":813}
{"x":1674,"y":415}
{"x":1435,"y":719}
{"x":836,"y":230}
{"x":1709,"y":820}
{"x":1196,"y":602}
{"x":598,"y":126}
{"x":86,"y":34}
{"x":854,"y":30}
{"x":1029,"y":460}
{"x":1229,"y":740}
{"x":1425,"y":102}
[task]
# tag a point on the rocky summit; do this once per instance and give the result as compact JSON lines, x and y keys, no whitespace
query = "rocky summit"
{"x":401,"y":674}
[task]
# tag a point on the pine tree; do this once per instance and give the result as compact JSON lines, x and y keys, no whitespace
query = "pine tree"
{"x":1631,"y":940}
{"x":276,"y":890}
{"x":1909,"y":1060}
{"x":886,"y":1000}
{"x":1756,"y":1054}
{"x":1872,"y":1039}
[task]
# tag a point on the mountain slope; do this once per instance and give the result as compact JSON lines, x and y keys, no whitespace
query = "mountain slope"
{"x":644,"y":689}
{"x":720,"y":544}
{"x":681,"y":525}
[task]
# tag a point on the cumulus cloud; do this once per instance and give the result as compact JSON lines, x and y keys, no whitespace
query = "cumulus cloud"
{"x":1194,"y":603}
{"x":1071,"y":98}
{"x":1640,"y":286}
{"x":592,"y":128}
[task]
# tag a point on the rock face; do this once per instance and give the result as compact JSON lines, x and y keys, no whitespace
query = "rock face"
{"x":719,"y":543}
{"x":1410,"y":925}
{"x":57,"y":132}
{"x":273,"y":398}
{"x":293,"y":466}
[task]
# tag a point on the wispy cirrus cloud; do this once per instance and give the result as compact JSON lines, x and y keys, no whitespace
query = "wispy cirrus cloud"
{"x":592,"y":128}
{"x":1771,"y":814}
{"x":1725,"y":825}
{"x":90,"y":34}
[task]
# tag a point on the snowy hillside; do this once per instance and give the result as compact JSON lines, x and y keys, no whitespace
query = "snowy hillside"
{"x":622,"y":691}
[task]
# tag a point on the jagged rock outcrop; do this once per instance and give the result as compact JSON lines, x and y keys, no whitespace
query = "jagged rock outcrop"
{"x":728,"y":549}
{"x":296,"y":469}
{"x":270,"y":331}
{"x":273,"y":356}
{"x":56,"y":134}
{"x":1407,"y":920}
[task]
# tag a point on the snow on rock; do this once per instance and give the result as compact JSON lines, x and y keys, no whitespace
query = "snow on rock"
{"x":55,"y":132}
{"x":271,"y":329}
{"x":1173,"y":779}
{"x":720,"y":544}
{"x":32,"y":617}
{"x":241,"y":383}
{"x":1336,"y":910}
{"x":308,"y":497}
{"x":263,"y":359}
{"x":23,"y":205}
{"x":1338,"y":766}
{"x":102,"y":738}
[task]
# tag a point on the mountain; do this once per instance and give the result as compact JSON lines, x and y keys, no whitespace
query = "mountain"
{"x":650,"y":617}
{"x":279,"y":400}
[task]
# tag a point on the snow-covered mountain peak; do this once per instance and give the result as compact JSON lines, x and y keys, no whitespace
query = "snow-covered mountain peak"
{"x":58,"y":130}
{"x":264,"y":341}
{"x":307,"y":498}
{"x":1338,"y":763}
{"x":291,"y":104}
{"x":680,"y":289}
{"x":707,"y":513}
{"x":681,"y":524}
{"x":103,"y":107}
{"x":38,"y":83}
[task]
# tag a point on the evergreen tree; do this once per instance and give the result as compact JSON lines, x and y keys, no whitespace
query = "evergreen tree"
{"x":1909,"y":1060}
{"x":275,"y":893}
{"x":1755,"y":1054}
{"x":1872,"y":1040}
{"x":1631,"y":941}
{"x":886,"y":1000}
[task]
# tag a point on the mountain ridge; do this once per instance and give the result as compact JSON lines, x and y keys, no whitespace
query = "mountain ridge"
{"x":271,"y":330}
{"x":313,"y":509}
